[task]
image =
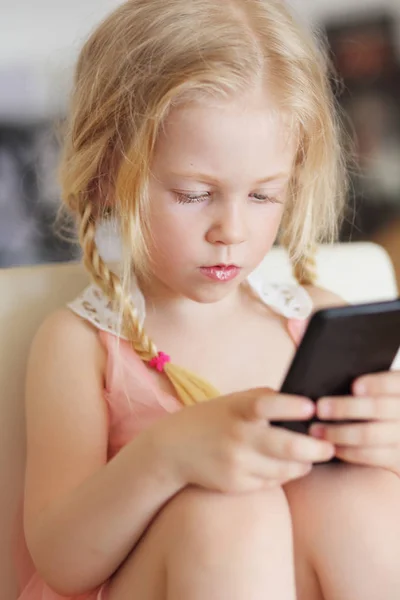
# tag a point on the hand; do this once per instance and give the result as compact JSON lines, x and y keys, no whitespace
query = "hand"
{"x":228,"y":445}
{"x":376,"y":443}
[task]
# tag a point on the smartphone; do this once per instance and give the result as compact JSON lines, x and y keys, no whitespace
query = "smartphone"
{"x":339,"y":345}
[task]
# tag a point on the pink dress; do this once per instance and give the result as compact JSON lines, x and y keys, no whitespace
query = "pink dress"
{"x":134,"y":402}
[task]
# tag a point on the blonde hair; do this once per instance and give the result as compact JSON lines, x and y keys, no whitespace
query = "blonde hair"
{"x":149,"y":56}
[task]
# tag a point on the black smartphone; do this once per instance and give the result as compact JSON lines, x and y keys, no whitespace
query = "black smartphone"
{"x":339,"y":345}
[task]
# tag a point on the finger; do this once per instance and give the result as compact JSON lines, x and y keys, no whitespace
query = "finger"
{"x":279,"y":470}
{"x":350,"y":407}
{"x":384,"y":456}
{"x":256,"y":483}
{"x":287,"y":445}
{"x":283,"y":407}
{"x":365,"y":434}
{"x":247,"y":406}
{"x":378,"y":384}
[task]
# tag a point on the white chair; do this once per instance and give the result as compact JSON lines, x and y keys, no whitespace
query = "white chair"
{"x":358,"y":272}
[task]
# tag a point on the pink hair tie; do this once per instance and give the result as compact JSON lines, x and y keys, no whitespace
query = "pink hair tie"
{"x":159,"y":361}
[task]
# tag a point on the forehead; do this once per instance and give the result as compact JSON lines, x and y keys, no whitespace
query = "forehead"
{"x":249,"y":132}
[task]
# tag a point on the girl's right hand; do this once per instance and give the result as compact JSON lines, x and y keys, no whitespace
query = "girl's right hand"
{"x":228,"y":444}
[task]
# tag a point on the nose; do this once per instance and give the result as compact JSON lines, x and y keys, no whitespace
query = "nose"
{"x":229,"y":226}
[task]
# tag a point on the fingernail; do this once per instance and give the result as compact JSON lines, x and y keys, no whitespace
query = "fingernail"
{"x":317,"y":431}
{"x":325,"y":409}
{"x":360,"y":387}
{"x":308,"y":408}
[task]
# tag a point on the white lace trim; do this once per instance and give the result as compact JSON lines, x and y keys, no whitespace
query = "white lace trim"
{"x":289,"y":300}
{"x":93,"y":306}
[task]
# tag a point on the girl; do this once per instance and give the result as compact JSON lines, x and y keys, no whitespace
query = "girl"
{"x":206,"y":130}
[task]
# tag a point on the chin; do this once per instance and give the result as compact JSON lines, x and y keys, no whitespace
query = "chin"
{"x":211,"y":293}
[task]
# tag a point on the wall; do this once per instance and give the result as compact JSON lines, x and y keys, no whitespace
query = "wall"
{"x":48,"y":28}
{"x":39,"y":41}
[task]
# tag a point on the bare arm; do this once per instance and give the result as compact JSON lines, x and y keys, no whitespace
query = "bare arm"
{"x":82,"y":515}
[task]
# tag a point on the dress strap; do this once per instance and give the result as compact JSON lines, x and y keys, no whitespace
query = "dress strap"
{"x":93,"y":306}
{"x":290,"y":300}
{"x":296,"y":329}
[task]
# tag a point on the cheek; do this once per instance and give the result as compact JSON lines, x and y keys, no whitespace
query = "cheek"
{"x":172,"y":234}
{"x":265,"y":225}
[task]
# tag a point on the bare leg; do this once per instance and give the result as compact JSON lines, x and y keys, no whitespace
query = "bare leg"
{"x":214,"y":546}
{"x":240,"y":547}
{"x":346,"y":523}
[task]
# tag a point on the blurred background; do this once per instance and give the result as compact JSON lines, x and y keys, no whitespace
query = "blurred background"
{"x":39,"y":43}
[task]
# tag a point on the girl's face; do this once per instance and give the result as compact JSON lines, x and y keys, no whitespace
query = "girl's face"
{"x":217,"y":191}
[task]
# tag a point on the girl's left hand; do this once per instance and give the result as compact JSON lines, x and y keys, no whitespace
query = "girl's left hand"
{"x":376,"y":442}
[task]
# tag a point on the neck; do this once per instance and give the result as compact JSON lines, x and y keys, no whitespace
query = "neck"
{"x":161,"y":300}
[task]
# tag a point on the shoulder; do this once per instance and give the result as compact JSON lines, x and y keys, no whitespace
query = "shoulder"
{"x":64,"y":322}
{"x":323,"y":298}
{"x":65,"y":336}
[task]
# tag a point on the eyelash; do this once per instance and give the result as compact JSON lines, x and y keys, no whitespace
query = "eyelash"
{"x":191,"y":199}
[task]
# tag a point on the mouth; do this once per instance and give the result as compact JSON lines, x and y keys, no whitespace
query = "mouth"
{"x":221,"y":272}
{"x":221,"y":266}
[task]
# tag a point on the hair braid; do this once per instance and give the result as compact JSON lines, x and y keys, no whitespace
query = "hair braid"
{"x":111,"y":285}
{"x":305,"y":269}
{"x":189,"y":387}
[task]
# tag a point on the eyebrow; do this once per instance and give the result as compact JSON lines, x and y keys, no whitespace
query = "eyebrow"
{"x":202,"y":177}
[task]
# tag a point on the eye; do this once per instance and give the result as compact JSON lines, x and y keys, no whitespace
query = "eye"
{"x":265,"y":199}
{"x":191,"y":198}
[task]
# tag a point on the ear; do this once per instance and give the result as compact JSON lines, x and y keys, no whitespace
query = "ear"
{"x":297,"y":328}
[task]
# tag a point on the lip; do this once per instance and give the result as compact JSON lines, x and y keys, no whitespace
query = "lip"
{"x":221,"y":273}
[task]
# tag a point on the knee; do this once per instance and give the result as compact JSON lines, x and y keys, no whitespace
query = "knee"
{"x":348,"y":504}
{"x":357,"y":492}
{"x":207,"y":522}
{"x":365,"y":505}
